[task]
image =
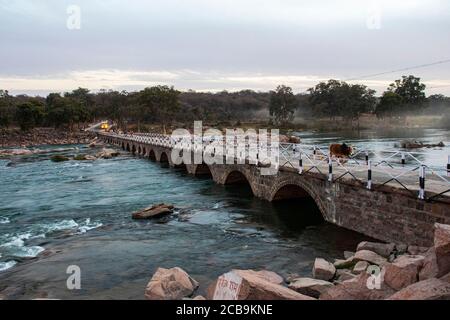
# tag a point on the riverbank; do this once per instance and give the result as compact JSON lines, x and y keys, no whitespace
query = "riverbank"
{"x":14,"y":137}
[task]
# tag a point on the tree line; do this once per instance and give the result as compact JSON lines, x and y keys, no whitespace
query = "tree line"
{"x":165,"y":105}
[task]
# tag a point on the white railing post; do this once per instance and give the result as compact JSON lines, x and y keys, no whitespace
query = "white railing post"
{"x":448,"y":166}
{"x":300,"y":164}
{"x":422,"y":182}
{"x":330,"y":168}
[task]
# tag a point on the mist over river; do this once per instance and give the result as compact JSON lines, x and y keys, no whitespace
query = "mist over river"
{"x":53,"y":215}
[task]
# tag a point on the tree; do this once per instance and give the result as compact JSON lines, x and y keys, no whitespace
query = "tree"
{"x":29,"y":114}
{"x":410,"y":89}
{"x":7,"y":108}
{"x":282,"y":104}
{"x":389,"y":104}
{"x":161,"y":102}
{"x":338,"y":98}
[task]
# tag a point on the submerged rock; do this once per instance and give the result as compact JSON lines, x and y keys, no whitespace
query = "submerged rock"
{"x":59,"y":158}
{"x":154,"y":211}
{"x":170,"y":284}
{"x":107,"y":153}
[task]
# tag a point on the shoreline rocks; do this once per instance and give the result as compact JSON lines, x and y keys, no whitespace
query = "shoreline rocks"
{"x":323,"y":270}
{"x":170,"y":284}
{"x":390,"y":272}
{"x":42,"y":136}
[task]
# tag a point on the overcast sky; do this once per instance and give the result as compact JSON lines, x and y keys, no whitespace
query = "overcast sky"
{"x":220,"y":44}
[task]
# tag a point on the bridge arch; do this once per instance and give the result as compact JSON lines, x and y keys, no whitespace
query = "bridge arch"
{"x":240,"y":177}
{"x":163,"y":158}
{"x":133,"y":149}
{"x":151,"y":155}
{"x":128,"y":148}
{"x":202,"y":170}
{"x":295,"y":189}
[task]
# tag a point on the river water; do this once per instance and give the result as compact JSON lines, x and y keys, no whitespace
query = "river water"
{"x":54,"y":215}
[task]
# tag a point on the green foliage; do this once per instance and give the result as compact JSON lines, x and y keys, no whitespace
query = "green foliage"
{"x":67,"y":110}
{"x":30,"y":114}
{"x":410,"y":89}
{"x":164,"y":105}
{"x":338,"y":98}
{"x":161,"y":102}
{"x":7,"y":108}
{"x":389,"y":104}
{"x":403,"y":95}
{"x":282,"y":105}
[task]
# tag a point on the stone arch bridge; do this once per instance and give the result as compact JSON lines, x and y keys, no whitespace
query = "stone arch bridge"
{"x":388,"y":213}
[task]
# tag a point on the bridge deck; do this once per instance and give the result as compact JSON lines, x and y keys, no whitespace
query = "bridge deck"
{"x":384,"y":172}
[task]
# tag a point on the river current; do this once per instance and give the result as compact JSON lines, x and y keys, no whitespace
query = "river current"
{"x":53,"y":215}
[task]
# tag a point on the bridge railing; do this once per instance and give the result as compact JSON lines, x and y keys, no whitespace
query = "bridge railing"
{"x":373,"y":168}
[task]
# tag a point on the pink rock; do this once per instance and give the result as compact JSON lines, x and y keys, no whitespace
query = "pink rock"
{"x":323,"y":269}
{"x":430,"y":289}
{"x":442,"y":248}
{"x":369,"y":256}
{"x":357,"y":289}
{"x":403,"y":272}
{"x":170,"y":284}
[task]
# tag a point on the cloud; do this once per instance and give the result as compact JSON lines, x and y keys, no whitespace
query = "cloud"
{"x":114,"y":79}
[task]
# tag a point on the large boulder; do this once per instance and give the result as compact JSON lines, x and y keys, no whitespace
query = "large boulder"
{"x":429,"y":266}
{"x":267,"y":275}
{"x":357,"y":289}
{"x":442,"y":248}
{"x":446,"y":278}
{"x":170,"y":284}
{"x":369,"y":256}
{"x":154,"y":211}
{"x":430,"y":289}
{"x":323,"y":270}
{"x":403,"y":272}
{"x":310,"y":287}
{"x":383,"y":249}
{"x":255,"y":285}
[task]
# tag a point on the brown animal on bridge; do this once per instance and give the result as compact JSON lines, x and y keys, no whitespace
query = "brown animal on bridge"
{"x":340,"y":150}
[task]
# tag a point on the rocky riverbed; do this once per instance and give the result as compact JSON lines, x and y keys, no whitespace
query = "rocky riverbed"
{"x":42,"y":136}
{"x":376,"y":271}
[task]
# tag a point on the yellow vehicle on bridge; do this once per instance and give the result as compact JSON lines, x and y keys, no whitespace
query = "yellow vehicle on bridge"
{"x":104,"y":126}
